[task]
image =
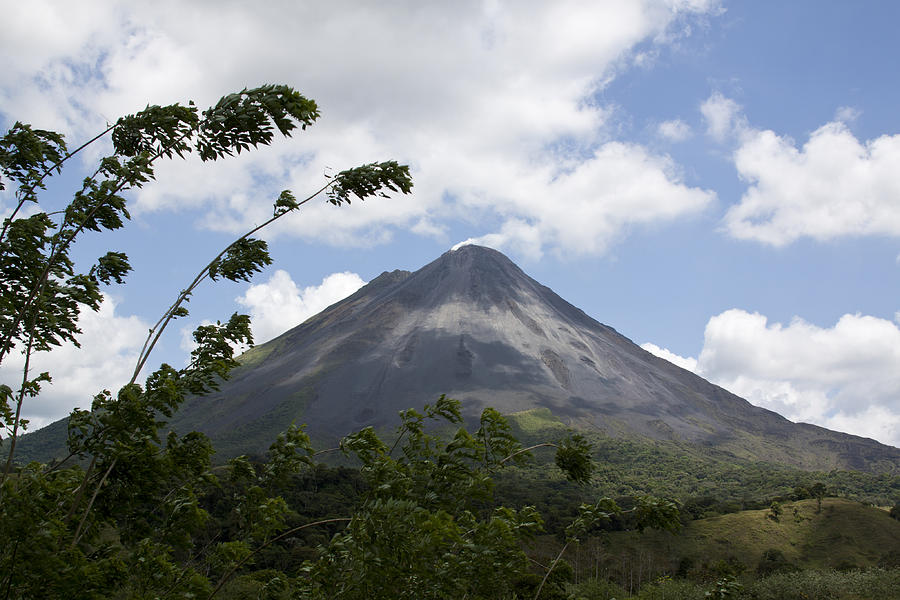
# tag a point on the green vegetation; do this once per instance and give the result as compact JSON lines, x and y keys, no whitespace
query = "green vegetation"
{"x":257,"y":354}
{"x":875,"y":584}
{"x":846,"y":551}
{"x":436,"y":511}
{"x":845,"y":534}
{"x":537,"y":421}
{"x":132,"y":512}
{"x":706,"y":483}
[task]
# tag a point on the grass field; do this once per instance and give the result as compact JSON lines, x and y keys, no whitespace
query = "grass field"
{"x":844,"y":535}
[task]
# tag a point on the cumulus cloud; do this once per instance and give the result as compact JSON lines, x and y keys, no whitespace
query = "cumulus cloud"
{"x":687,"y":363}
{"x":674,"y":131}
{"x":723,"y":117}
{"x":845,"y":377}
{"x":278,"y":304}
{"x":109,"y":348}
{"x":586,"y":209}
{"x":494,"y":109}
{"x":847,"y":114}
{"x":832,"y":186}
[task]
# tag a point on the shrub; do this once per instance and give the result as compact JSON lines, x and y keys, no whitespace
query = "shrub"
{"x":774,"y":561}
{"x":671,"y":589}
{"x":877,"y":584}
{"x":727,"y":587}
{"x":595,"y":589}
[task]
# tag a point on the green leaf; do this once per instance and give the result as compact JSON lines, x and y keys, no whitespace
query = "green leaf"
{"x":112,"y":266}
{"x":246,"y":119}
{"x":374,"y":179}
{"x":156,"y":130}
{"x":573,"y":457}
{"x":241,"y":260}
{"x":286,"y":202}
{"x":26,"y":154}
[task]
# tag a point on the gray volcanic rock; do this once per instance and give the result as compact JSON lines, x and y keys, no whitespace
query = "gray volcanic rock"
{"x":473,"y":326}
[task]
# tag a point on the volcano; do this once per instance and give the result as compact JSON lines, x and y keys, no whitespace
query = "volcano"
{"x":473,"y":326}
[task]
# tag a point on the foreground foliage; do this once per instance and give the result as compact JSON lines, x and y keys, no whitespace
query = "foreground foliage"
{"x":424,"y":526}
{"x":68,"y":529}
{"x":135,"y":511}
{"x":874,"y":584}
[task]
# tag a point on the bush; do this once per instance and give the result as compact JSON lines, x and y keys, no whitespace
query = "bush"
{"x":774,"y":561}
{"x":595,"y":589}
{"x":671,"y":589}
{"x":828,"y":585}
{"x":685,"y":566}
{"x":725,"y":588}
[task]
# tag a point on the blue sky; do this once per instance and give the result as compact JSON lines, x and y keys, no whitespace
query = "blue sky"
{"x":716,"y":180}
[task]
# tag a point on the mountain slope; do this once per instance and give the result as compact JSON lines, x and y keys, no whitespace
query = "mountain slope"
{"x":472,"y":325}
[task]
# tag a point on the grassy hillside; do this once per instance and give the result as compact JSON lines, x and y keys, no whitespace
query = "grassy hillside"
{"x":844,"y":535}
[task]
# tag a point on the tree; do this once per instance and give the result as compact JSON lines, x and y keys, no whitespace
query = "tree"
{"x":800,"y":493}
{"x":818,"y":491}
{"x":775,"y":510}
{"x":123,"y":515}
{"x":54,"y":518}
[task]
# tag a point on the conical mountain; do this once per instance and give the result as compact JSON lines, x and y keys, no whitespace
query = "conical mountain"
{"x":473,"y":326}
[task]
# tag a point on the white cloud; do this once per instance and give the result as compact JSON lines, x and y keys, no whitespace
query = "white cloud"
{"x":674,"y":131}
{"x":109,"y":348}
{"x":684,"y":362}
{"x":492,"y":105}
{"x":587,"y":208}
{"x":515,"y":234}
{"x":833,"y":186}
{"x":723,"y":117}
{"x":279,"y":305}
{"x":845,"y":377}
{"x":847,"y":114}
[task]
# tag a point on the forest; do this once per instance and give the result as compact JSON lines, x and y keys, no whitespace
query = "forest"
{"x":439,"y":508}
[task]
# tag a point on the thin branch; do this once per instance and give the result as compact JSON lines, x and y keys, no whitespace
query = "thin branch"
{"x":19,"y":401}
{"x":157,"y":330}
{"x":57,"y":166}
{"x":90,"y":505}
{"x":540,"y":564}
{"x":187,"y":566}
{"x":52,"y":466}
{"x":397,"y":441}
{"x":327,"y":450}
{"x":78,"y":496}
{"x":550,"y":570}
{"x":524,"y":450}
{"x":12,"y":564}
{"x":67,"y":241}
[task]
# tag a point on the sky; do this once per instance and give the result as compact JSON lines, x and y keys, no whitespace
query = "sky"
{"x":716,"y":180}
